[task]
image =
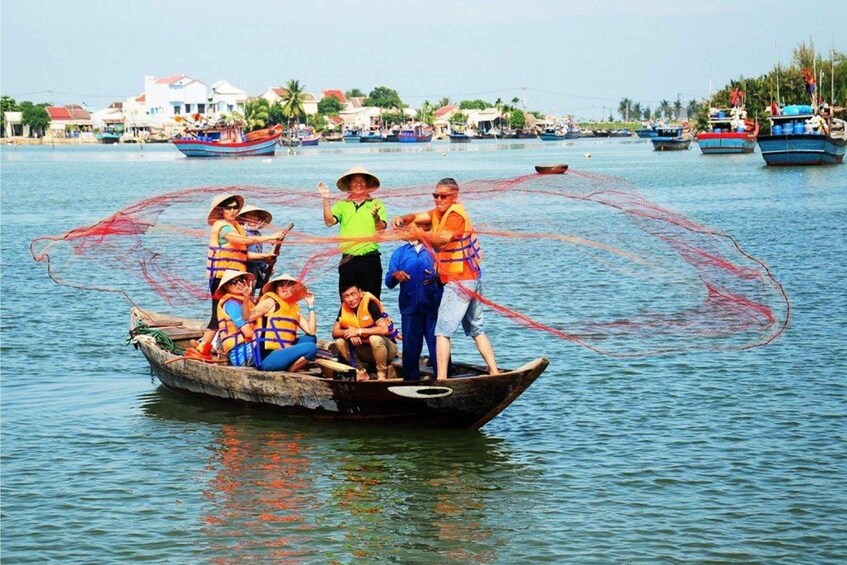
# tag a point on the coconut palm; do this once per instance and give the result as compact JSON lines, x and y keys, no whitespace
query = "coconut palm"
{"x":636,"y":111}
{"x":692,"y":108}
{"x":444,"y":102}
{"x":623,"y":108}
{"x":665,"y":109}
{"x":256,"y":113}
{"x":677,"y":108}
{"x":293,"y":107}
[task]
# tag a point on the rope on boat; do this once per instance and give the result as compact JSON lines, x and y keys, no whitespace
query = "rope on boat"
{"x":163,"y":340}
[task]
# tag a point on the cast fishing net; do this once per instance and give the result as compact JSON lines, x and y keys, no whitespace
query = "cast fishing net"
{"x":581,"y":257}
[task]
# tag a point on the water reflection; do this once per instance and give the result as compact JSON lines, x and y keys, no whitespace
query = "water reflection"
{"x":296,"y":490}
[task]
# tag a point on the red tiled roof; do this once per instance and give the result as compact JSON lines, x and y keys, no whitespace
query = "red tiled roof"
{"x":279,"y":91}
{"x":141,"y":98}
{"x":58,"y":113}
{"x":79,"y":113}
{"x":170,"y":79}
{"x":335,"y":120}
{"x":444,"y":110}
{"x":337,"y":94}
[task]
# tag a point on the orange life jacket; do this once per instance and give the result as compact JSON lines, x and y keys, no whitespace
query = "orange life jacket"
{"x":362,"y":318}
{"x":278,"y":329}
{"x":230,"y":335}
{"x":462,"y":249}
{"x":229,"y":256}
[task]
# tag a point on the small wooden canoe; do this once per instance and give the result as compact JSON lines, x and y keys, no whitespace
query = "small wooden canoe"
{"x":469,"y":399}
{"x":551,"y":169}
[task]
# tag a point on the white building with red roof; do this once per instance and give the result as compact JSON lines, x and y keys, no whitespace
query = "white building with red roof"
{"x":280,"y":94}
{"x":67,"y":119}
{"x":226,"y":99}
{"x":172,"y":96}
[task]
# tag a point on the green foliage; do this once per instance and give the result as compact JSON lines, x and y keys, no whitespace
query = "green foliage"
{"x":384,"y":97}
{"x":665,"y":109}
{"x":623,"y":108}
{"x":443,"y":102}
{"x":354,"y":93}
{"x":393,"y":118}
{"x":474,"y":104}
{"x":517,"y":119}
{"x":538,"y":115}
{"x":35,"y":116}
{"x":293,"y":107}
{"x":330,"y":105}
{"x":256,"y":114}
{"x":275,"y":114}
{"x":459,"y":118}
{"x":426,"y":114}
{"x":317,"y":122}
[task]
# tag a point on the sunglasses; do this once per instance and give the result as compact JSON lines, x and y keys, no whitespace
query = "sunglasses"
{"x":442,"y":196}
{"x":231,"y":207}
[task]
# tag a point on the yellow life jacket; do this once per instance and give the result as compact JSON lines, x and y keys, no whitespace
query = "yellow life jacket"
{"x":362,"y":318}
{"x":450,"y":259}
{"x":278,"y":329}
{"x":229,"y":256}
{"x":230,"y":335}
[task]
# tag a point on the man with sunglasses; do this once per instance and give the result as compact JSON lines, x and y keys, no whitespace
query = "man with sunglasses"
{"x":457,"y":258}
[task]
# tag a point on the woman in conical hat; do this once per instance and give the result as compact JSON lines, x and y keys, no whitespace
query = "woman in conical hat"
{"x":227,"y":250}
{"x":360,"y":217}
{"x":236,"y":332}
{"x":277,"y":317}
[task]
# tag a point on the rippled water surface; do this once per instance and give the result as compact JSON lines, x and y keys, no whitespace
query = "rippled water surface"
{"x":736,"y":456}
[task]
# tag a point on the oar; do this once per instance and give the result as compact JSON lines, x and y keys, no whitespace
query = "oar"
{"x":271,"y":261}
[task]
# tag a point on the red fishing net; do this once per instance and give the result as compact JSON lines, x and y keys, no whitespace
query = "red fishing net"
{"x":582,"y":257}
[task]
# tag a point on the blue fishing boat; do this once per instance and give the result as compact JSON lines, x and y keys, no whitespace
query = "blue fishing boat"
{"x":307,"y":137}
{"x":729,"y":132}
{"x":109,"y":136}
{"x":648,"y":131}
{"x":351,"y":136}
{"x":671,"y":138}
{"x":800,"y":136}
{"x":372,"y":137}
{"x":415,"y":135}
{"x":553,"y":134}
{"x":228,"y":142}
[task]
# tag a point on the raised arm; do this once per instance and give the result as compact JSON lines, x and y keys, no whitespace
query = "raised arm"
{"x":329,"y":219}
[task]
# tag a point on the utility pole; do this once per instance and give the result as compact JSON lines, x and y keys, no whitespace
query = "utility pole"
{"x":524,"y":98}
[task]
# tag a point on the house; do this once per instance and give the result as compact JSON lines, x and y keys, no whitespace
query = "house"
{"x":137,"y":122}
{"x":173,"y":96}
{"x":14,"y":127}
{"x":361,"y":118}
{"x":226,"y":99}
{"x":111,"y":117}
{"x":280,"y":94}
{"x":484,"y":120}
{"x":337,"y":94}
{"x":441,"y":118}
{"x":68,"y":121}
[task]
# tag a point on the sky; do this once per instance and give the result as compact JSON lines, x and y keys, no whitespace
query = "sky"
{"x":564,"y":56}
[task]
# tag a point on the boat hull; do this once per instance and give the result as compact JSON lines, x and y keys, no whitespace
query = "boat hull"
{"x":788,"y":150}
{"x":414,"y":138}
{"x":309,"y":141}
{"x":665,"y":144}
{"x":463,"y":401}
{"x":459,"y":138}
{"x":351,"y":139}
{"x":371,"y":139}
{"x":195,"y":148}
{"x":646,"y":133}
{"x":726,"y":143}
{"x":552,"y":137}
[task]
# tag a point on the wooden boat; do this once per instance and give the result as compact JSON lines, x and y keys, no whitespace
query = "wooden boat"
{"x":469,"y":399}
{"x":228,"y":142}
{"x":795,"y":141}
{"x":415,"y":135}
{"x":622,"y":132}
{"x":671,"y":139}
{"x":460,"y":137}
{"x":551,"y":169}
{"x":372,"y":136}
{"x":729,"y":132}
{"x":351,"y":136}
{"x":308,"y":137}
{"x":553,"y":134}
{"x":648,"y":131}
{"x":109,"y":136}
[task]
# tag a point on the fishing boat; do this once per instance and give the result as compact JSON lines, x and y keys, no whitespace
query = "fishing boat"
{"x":460,"y":135}
{"x":307,"y":137}
{"x":573,"y":131}
{"x":553,"y":134}
{"x":622,"y":132}
{"x":228,"y":141}
{"x":671,"y":138}
{"x":551,"y":169}
{"x":647,"y":131}
{"x":469,"y":399}
{"x":109,"y":136}
{"x":372,"y":136}
{"x":416,"y":134}
{"x":352,"y":136}
{"x":801,"y":136}
{"x":729,"y":132}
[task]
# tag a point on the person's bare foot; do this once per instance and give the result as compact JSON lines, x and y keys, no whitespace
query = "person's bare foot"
{"x":362,"y":376}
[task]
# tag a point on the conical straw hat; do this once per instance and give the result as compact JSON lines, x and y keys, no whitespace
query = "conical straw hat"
{"x":230,"y":275}
{"x":278,"y":278}
{"x":266,"y":217}
{"x":215,"y":212}
{"x":343,"y":181}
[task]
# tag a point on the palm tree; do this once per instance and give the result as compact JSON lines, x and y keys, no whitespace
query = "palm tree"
{"x":647,"y":113}
{"x":677,"y":108}
{"x":637,"y":110}
{"x":692,"y":108}
{"x":293,"y":107}
{"x":443,"y":102}
{"x":664,"y":109}
{"x":623,"y":108}
{"x":425,"y":113}
{"x":256,"y":113}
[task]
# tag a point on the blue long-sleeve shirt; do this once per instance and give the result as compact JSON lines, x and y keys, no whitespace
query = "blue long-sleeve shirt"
{"x":421,"y":293}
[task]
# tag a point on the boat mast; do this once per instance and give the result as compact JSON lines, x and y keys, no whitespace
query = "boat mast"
{"x":776,"y":53}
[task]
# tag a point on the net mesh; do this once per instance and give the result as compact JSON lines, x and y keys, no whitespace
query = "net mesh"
{"x":581,"y":257}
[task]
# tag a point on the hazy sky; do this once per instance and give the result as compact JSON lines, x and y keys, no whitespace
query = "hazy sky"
{"x":572,"y":57}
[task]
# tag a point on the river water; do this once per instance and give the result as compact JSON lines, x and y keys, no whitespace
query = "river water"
{"x":733,"y":456}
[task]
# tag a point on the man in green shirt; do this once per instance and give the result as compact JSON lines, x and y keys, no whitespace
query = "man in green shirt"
{"x":360,"y":217}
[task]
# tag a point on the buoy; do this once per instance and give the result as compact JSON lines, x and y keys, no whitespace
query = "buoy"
{"x":588,"y":155}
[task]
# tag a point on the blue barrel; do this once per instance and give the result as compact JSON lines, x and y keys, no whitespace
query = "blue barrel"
{"x":799,"y":128}
{"x":717,"y":130}
{"x":777,"y":130}
{"x":741,"y":129}
{"x":721,"y":114}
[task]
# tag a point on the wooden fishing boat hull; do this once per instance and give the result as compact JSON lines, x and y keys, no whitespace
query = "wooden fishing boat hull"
{"x":467,"y":400}
{"x":459,"y":138}
{"x":309,"y":141}
{"x":196,"y":148}
{"x":375,"y":138}
{"x":646,"y":133}
{"x":551,"y":169}
{"x":787,"y":150}
{"x":552,"y":137}
{"x":726,"y":143}
{"x":671,"y":144}
{"x":351,"y":139}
